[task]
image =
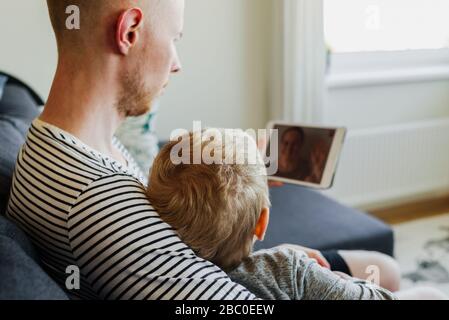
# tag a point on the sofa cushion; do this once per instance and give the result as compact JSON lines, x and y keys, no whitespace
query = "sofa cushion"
{"x":17,"y":111}
{"x":20,"y":274}
{"x":18,"y":103}
{"x":3,"y":80}
{"x":138,"y":136}
{"x":306,"y":217}
{"x":12,"y":231}
{"x":22,"y":278}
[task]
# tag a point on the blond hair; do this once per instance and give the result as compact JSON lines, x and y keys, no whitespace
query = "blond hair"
{"x":213,"y":207}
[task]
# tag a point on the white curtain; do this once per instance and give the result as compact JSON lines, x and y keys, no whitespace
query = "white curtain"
{"x":299,"y":61}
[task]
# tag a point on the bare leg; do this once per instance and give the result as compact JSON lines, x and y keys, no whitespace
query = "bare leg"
{"x":360,"y":264}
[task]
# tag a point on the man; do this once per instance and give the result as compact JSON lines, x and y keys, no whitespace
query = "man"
{"x":291,"y":165}
{"x":77,"y":192}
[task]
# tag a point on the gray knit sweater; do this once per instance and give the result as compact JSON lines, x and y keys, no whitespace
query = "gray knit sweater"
{"x":286,"y":274}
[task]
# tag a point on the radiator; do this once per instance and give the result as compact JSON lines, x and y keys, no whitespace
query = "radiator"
{"x":388,"y":165}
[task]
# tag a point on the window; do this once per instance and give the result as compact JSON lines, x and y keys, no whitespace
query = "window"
{"x":373,"y":46}
{"x":386,"y":25}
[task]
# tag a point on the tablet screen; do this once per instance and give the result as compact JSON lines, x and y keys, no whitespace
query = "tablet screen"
{"x":303,"y":152}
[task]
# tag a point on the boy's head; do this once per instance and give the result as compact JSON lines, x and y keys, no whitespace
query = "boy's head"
{"x":217,"y":209}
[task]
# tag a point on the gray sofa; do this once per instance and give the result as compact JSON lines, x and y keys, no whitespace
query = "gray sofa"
{"x":22,"y":278}
{"x":299,"y":215}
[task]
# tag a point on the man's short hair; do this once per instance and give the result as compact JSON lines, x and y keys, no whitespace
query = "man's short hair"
{"x":214,"y":208}
{"x":57,"y":11}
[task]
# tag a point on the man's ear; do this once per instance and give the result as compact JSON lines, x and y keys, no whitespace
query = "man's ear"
{"x":262,"y":224}
{"x":128,"y":29}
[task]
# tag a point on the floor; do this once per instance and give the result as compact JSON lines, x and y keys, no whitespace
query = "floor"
{"x":413,"y":211}
{"x":422,"y":251}
{"x":421,"y":241}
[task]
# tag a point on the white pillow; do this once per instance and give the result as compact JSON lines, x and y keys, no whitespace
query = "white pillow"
{"x":138,"y":136}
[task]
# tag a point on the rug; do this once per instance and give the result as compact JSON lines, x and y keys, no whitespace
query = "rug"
{"x":422,"y":250}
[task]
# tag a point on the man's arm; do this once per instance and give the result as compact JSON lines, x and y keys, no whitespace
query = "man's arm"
{"x":125,"y":251}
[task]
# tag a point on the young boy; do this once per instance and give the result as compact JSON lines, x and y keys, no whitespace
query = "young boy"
{"x":219,"y":209}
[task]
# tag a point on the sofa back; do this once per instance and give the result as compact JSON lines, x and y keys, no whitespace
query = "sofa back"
{"x":18,"y":108}
{"x":22,"y":278}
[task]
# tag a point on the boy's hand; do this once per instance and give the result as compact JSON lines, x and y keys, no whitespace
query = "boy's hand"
{"x":272,"y":184}
{"x":311,"y":253}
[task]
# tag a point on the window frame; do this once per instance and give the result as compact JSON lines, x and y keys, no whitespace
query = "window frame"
{"x":364,"y":68}
{"x":386,"y":67}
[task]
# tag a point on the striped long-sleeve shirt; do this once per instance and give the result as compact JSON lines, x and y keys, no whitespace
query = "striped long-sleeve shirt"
{"x":84,"y":209}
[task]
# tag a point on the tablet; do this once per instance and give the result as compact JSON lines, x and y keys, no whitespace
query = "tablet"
{"x":303,"y":154}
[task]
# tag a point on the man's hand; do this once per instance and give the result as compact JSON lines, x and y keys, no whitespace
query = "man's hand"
{"x":311,"y":253}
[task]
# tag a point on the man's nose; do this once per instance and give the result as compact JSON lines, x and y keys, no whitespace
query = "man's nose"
{"x":176,"y":68}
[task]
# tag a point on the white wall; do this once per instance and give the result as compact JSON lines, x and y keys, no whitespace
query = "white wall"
{"x":225,"y":55}
{"x":384,"y":105}
{"x":28,"y":49}
{"x":396,"y":149}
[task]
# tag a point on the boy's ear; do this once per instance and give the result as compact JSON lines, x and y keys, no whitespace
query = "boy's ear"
{"x":262,"y":224}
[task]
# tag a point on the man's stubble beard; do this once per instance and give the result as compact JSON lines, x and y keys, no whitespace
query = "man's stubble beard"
{"x":135,"y":99}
